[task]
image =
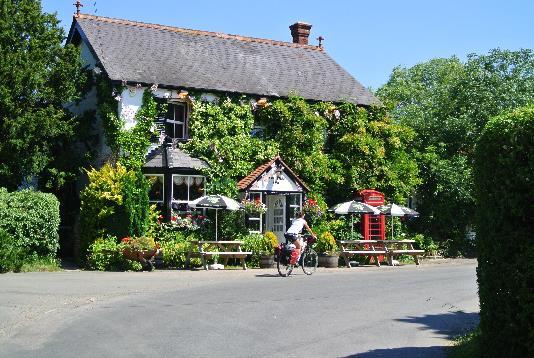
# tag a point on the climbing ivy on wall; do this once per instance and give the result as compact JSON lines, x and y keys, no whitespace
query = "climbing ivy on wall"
{"x":221,"y":134}
{"x":129,"y":146}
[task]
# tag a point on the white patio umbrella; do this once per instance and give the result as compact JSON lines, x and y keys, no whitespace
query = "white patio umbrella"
{"x":216,"y":202}
{"x":396,"y":210}
{"x":354,"y":207}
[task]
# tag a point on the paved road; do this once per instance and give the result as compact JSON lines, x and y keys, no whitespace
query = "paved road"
{"x":402,"y":311}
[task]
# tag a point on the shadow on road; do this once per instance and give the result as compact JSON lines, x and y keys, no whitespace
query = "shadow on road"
{"x":450,"y":325}
{"x":402,"y":352}
{"x":268,"y":275}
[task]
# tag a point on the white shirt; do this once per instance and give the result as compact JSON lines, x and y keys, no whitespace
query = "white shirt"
{"x":296,"y":226}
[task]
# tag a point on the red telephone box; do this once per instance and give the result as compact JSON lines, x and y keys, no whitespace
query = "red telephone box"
{"x":373,"y":226}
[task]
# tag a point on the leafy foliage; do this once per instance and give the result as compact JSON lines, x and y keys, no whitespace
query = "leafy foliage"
{"x":115,"y":202}
{"x":31,"y":218}
{"x":38,"y":75}
{"x":105,"y":254}
{"x":326,"y":243}
{"x":220,"y":134}
{"x":505,"y":222}
{"x":300,"y":132}
{"x":447,"y":102}
{"x":369,"y":151}
{"x":11,"y":254}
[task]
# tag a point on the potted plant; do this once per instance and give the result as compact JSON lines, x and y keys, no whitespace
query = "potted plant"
{"x":141,"y":249}
{"x":269,"y":243}
{"x":327,"y":248}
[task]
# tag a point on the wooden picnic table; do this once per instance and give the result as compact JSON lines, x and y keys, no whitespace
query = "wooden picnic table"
{"x":227,"y":250}
{"x":372,"y":248}
{"x":401,"y":247}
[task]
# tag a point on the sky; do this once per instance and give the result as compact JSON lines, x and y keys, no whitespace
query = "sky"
{"x":367,"y":38}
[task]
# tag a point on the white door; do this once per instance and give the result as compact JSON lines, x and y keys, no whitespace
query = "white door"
{"x":276,"y":215}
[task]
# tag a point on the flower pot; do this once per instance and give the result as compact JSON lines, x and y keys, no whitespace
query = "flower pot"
{"x":266,"y":261}
{"x":329,"y":261}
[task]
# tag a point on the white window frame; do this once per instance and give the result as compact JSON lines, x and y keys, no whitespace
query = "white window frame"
{"x":188,"y":189}
{"x":299,"y":206}
{"x":163,"y":184}
{"x":260,"y":216}
{"x":174,"y":121}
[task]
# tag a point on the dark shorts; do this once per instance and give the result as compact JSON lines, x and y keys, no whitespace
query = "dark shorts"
{"x":290,"y":237}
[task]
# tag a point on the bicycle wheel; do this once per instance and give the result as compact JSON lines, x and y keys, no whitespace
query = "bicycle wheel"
{"x":283,"y":266}
{"x":309,"y":261}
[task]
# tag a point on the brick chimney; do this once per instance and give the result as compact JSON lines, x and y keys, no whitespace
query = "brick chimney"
{"x":300,"y":32}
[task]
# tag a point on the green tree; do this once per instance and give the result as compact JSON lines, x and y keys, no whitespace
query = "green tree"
{"x":447,"y":103}
{"x":369,"y":150}
{"x":37,"y":77}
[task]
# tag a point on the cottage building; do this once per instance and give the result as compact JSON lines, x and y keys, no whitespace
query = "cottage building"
{"x":136,"y":56}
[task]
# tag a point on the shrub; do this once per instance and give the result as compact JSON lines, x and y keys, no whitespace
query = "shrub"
{"x":11,"y":255}
{"x":257,"y":244}
{"x":115,"y":202}
{"x":504,"y":188}
{"x":326,"y":243}
{"x":425,"y":243}
{"x":272,"y":239}
{"x":105,"y":254}
{"x":174,"y":252}
{"x":31,"y":218}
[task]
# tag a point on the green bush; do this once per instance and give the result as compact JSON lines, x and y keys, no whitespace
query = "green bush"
{"x":105,"y":254}
{"x":32,"y":219}
{"x":11,"y":255}
{"x":257,"y":244}
{"x":504,"y":183}
{"x":115,"y":202}
{"x":425,"y":243}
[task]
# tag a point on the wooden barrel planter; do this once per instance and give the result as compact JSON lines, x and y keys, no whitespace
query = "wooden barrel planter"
{"x":145,"y":257}
{"x":266,"y":261}
{"x":328,"y":261}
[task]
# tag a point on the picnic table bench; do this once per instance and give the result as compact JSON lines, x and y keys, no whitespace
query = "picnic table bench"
{"x":401,"y":247}
{"x":372,"y":248}
{"x":228,"y":249}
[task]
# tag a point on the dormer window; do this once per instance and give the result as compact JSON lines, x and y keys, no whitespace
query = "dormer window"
{"x":176,"y":120}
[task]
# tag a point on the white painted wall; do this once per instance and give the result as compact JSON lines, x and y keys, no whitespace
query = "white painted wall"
{"x":268,"y":182}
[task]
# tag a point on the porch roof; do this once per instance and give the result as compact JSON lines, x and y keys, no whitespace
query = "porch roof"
{"x":175,"y":158}
{"x":250,"y":179}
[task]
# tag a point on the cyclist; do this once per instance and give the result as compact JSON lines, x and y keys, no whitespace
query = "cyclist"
{"x":292,"y":233}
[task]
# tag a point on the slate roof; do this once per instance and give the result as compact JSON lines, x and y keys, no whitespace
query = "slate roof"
{"x":247,"y":181}
{"x":176,"y":57}
{"x":176,"y":158}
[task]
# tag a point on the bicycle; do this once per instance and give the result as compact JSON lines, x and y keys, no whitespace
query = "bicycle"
{"x":308,"y":258}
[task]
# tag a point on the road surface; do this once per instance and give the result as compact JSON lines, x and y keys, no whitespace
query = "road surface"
{"x":403,"y":311}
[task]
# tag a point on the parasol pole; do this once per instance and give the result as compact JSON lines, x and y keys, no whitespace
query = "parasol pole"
{"x":352,"y":227}
{"x":216,"y":225}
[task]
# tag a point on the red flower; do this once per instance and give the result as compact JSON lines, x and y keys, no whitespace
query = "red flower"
{"x":125,"y":240}
{"x":188,"y":216}
{"x":201,"y":217}
{"x":173,"y":218}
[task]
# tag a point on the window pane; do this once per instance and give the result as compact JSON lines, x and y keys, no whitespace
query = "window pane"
{"x":196,"y":188}
{"x":169,"y":129}
{"x":156,"y":187}
{"x":179,"y":187}
{"x":254,"y":225}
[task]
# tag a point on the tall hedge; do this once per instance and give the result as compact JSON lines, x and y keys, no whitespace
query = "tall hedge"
{"x":31,"y":218}
{"x":504,"y":182}
{"x":114,"y":203}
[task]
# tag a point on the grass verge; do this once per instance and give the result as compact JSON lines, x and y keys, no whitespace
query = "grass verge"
{"x":41,"y":264}
{"x":466,"y":346}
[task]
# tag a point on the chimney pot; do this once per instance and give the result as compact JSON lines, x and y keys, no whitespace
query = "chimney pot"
{"x":300,"y":32}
